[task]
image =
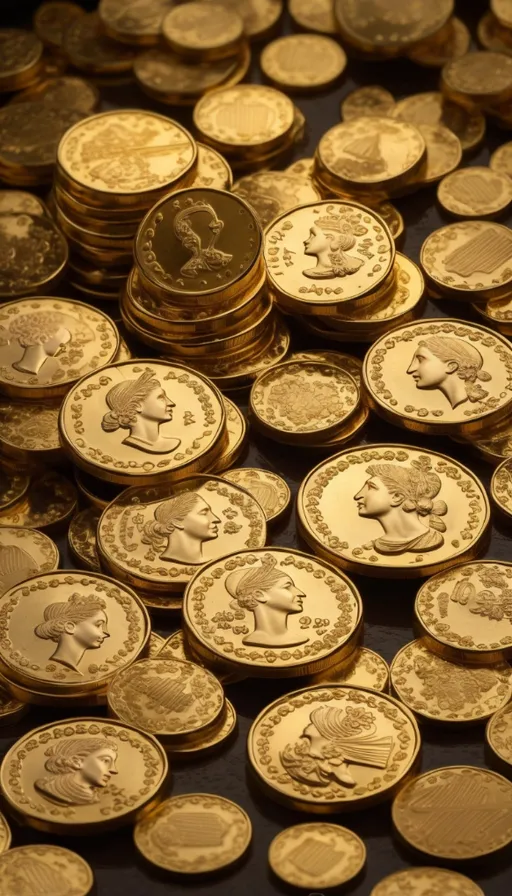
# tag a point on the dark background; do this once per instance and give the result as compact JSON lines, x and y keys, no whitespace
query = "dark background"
{"x":388,"y":605}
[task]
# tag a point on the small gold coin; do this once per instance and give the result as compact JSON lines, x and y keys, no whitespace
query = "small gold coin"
{"x":13,"y":487}
{"x":30,"y":133}
{"x":222,"y":118}
{"x":303,"y":62}
{"x":83,"y":776}
{"x":442,"y":515}
{"x":452,"y":42}
{"x":259,"y":16}
{"x":501,"y":487}
{"x":5,"y":840}
{"x":51,"y":20}
{"x":426,"y":882}
{"x":427,"y":376}
{"x":273,"y":193}
{"x":133,"y":22}
{"x":313,"y":15}
{"x":362,"y":669}
{"x":82,"y":539}
{"x":501,"y":159}
{"x":49,"y":503}
{"x":118,"y":423}
{"x":269,"y":489}
{"x":20,"y":58}
{"x":29,"y":431}
{"x":240,"y":610}
{"x":295,"y":748}
{"x":194,"y":834}
{"x":212,"y":742}
{"x":498,"y":739}
{"x":316,"y":855}
{"x":349,"y":363}
{"x":69,"y":92}
{"x":200,"y":32}
{"x":64,"y":871}
{"x":444,"y":153}
{"x":24,"y":553}
{"x":304,"y":167}
{"x":476,"y":192}
{"x":19,"y":202}
{"x":48,"y":344}
{"x":167,"y":77}
{"x":34,"y":254}
{"x":439,"y":690}
{"x":156,"y":642}
{"x":437,"y":813}
{"x":212,"y":169}
{"x":478,"y":79}
{"x":177,"y":647}
{"x":365,"y":102}
{"x":89,"y":49}
{"x":388,"y":29}
{"x":469,"y":260}
{"x":433,"y":108}
{"x":502,"y":9}
{"x":11,"y":711}
{"x":237,"y":436}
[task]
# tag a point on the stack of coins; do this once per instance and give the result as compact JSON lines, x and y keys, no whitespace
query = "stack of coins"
{"x":21,"y":55}
{"x":34,"y":251}
{"x":111,"y":168}
{"x":197,"y":293}
{"x":89,"y":49}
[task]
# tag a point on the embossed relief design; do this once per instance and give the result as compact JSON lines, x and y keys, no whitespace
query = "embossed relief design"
{"x":206,"y":257}
{"x":141,"y":406}
{"x":302,"y":403}
{"x":314,"y":857}
{"x":329,"y":240}
{"x":191,"y":829}
{"x":452,"y":687}
{"x":16,"y":565}
{"x":451,"y":365}
{"x":483,"y":253}
{"x":78,"y":768}
{"x":32,"y":250}
{"x":41,"y":335}
{"x":30,"y":876}
{"x":75,"y":625}
{"x":475,"y":191}
{"x":370,"y":150}
{"x":502,"y":486}
{"x":180,"y":527}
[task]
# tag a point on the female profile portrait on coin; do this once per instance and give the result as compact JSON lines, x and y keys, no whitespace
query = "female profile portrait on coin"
{"x":77,"y":768}
{"x":180,"y":527}
{"x":76,"y":625}
{"x":41,"y":336}
{"x":140,"y":406}
{"x":451,"y":365}
{"x":329,"y":240}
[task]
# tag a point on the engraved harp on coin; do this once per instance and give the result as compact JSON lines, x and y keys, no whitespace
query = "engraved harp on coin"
{"x":141,"y":406}
{"x":484,"y":252}
{"x":190,"y":231}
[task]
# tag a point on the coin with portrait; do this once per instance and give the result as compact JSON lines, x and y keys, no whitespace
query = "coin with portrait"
{"x":425,"y":881}
{"x":316,"y":855}
{"x":272,"y":613}
{"x":83,"y":775}
{"x":43,"y":868}
{"x":269,"y":489}
{"x":24,"y":553}
{"x":406,"y":512}
{"x":157,"y":537}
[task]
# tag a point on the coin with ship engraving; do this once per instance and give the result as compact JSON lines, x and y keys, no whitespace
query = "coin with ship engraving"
{"x":82,"y":539}
{"x":83,"y":775}
{"x":433,"y":108}
{"x":272,"y":193}
{"x":455,"y":813}
{"x":367,"y":101}
{"x":176,"y":700}
{"x":202,"y":33}
{"x":501,"y":487}
{"x":303,"y":62}
{"x":333,"y":748}
{"x":269,"y":489}
{"x":34,"y":254}
{"x":24,"y":553}
{"x":426,"y":882}
{"x":194,"y":833}
{"x":498,"y":740}
{"x":139,"y":422}
{"x":406,"y":512}
{"x":475,"y":192}
{"x":362,"y":669}
{"x":469,"y":260}
{"x":46,"y":344}
{"x":27,"y":869}
{"x":440,"y":375}
{"x":316,"y":855}
{"x":386,"y":27}
{"x":251,"y":611}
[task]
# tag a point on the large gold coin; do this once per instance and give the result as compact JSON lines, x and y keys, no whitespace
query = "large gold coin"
{"x":455,"y":813}
{"x":5,"y":837}
{"x":316,"y":855}
{"x":303,"y":62}
{"x":142,"y":422}
{"x":476,"y":192}
{"x":387,"y":27}
{"x":501,"y":487}
{"x":194,"y":834}
{"x":333,"y":748}
{"x":251,"y":611}
{"x":441,"y":375}
{"x":202,"y":33}
{"x":433,"y":108}
{"x":28,"y":867}
{"x":48,"y":344}
{"x":157,"y":538}
{"x":453,"y":41}
{"x":498,"y":739}
{"x":406,"y":512}
{"x":24,"y":553}
{"x":362,"y":669}
{"x":469,"y":260}
{"x":317,"y":256}
{"x":97,"y":626}
{"x":49,"y":503}
{"x":34,"y":254}
{"x":249,"y":118}
{"x":464,"y":615}
{"x":269,"y":489}
{"x":426,"y":882}
{"x":438,"y":690}
{"x":135,"y":22}
{"x":83,"y":776}
{"x":313,"y":15}
{"x":82,"y":539}
{"x":272,"y":193}
{"x":165,"y":76}
{"x":365,"y":102}
{"x":478,"y":79}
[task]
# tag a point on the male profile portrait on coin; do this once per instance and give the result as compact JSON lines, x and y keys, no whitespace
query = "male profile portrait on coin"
{"x":77,"y":768}
{"x":76,"y":625}
{"x":450,"y":365}
{"x":329,"y":240}
{"x":180,"y":526}
{"x":141,"y":406}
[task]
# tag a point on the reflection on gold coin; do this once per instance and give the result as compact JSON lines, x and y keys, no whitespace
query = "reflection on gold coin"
{"x":501,"y":487}
{"x":35,"y":254}
{"x":199,"y":32}
{"x":222,"y":118}
{"x":83,"y":775}
{"x":426,"y":882}
{"x":51,"y":20}
{"x":387,"y":29}
{"x":48,"y":504}
{"x":19,"y":202}
{"x":362,"y":669}
{"x":452,"y":42}
{"x":272,"y":193}
{"x":316,"y":855}
{"x":313,"y":15}
{"x":469,"y":260}
{"x":24,"y":553}
{"x":455,"y":813}
{"x":212,"y":169}
{"x":432,"y":108}
{"x":270,"y":490}
{"x":303,"y":62}
{"x":478,"y":79}
{"x":194,"y":834}
{"x":304,"y":167}
{"x":476,"y":192}
{"x":82,"y":539}
{"x":5,"y":835}
{"x":502,"y":9}
{"x":367,"y":101}
{"x":498,"y":737}
{"x":62,"y":870}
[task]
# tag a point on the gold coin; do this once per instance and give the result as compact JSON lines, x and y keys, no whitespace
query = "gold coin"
{"x":200,"y":32}
{"x":51,"y":20}
{"x":29,"y":431}
{"x":111,"y":422}
{"x":19,"y":202}
{"x":270,"y":490}
{"x":177,"y":647}
{"x":211,"y":742}
{"x":302,"y":402}
{"x":34,"y":254}
{"x":83,"y":775}
{"x":68,"y":92}
{"x":469,"y":260}
{"x":408,"y":361}
{"x":156,"y":642}
{"x":11,"y":711}
{"x":167,"y":77}
{"x":303,"y":62}
{"x":273,"y":193}
{"x":365,"y":102}
{"x":502,"y":9}
{"x":64,"y":871}
{"x":313,"y":15}
{"x":388,"y":29}
{"x":82,"y":539}
{"x":349,"y":363}
{"x":13,"y":487}
{"x":175,"y":700}
{"x":433,"y":108}
{"x":498,"y":739}
{"x":248,"y":117}
{"x":24,"y":553}
{"x":77,"y":612}
{"x":20,"y":58}
{"x":493,"y":35}
{"x":501,"y":159}
{"x":295,"y":748}
{"x":259,"y":16}
{"x":225,"y":619}
{"x":436,"y":813}
{"x":212,"y":170}
{"x":157,"y":538}
{"x":426,"y":882}
{"x":316,"y":855}
{"x":97,"y":494}
{"x":195,"y":833}
{"x":445,"y":518}
{"x":89,"y":49}
{"x":132,"y":21}
{"x":501,"y":487}
{"x":452,"y":42}
{"x":237,"y":436}
{"x":48,"y":344}
{"x":49,"y":503}
{"x":5,"y":841}
{"x":438,"y":690}
{"x":371,"y":153}
{"x":444,"y":153}
{"x":362,"y":669}
{"x":334,"y":279}
{"x":476,"y":192}
{"x":240,"y":375}
{"x":495,"y":445}
{"x":478,"y":79}
{"x":304,"y":167}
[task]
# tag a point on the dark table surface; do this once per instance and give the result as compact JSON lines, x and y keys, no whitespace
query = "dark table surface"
{"x":388,"y":605}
